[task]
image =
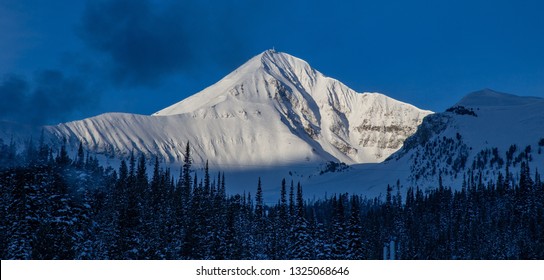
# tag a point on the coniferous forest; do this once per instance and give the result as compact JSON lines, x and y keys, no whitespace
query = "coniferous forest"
{"x":59,"y":206}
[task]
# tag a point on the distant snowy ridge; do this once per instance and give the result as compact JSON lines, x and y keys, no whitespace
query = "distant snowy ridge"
{"x":273,"y":110}
{"x":491,"y":98}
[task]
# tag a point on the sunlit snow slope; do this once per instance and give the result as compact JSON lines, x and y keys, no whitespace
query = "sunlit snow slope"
{"x":273,"y":110}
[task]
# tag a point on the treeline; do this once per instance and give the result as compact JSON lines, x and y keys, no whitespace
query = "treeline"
{"x":54,"y":206}
{"x":501,"y":220}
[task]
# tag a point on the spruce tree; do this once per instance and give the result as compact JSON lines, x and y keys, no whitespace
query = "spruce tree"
{"x":63,"y":159}
{"x":259,"y":202}
{"x":206,"y":179}
{"x":355,"y":246}
{"x":301,"y":245}
{"x":339,"y":244}
{"x":292,"y":201}
{"x":259,"y":222}
{"x":80,"y":159}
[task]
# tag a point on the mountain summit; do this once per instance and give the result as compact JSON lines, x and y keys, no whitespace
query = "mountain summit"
{"x":252,"y":80}
{"x":273,"y":110}
{"x":322,"y":112}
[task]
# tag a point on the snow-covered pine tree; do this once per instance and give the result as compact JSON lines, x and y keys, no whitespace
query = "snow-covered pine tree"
{"x":339,"y":238}
{"x":356,"y":244}
{"x":301,"y":245}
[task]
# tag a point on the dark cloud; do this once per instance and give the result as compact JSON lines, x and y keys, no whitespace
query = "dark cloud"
{"x":13,"y":91}
{"x":148,"y":40}
{"x":49,"y":98}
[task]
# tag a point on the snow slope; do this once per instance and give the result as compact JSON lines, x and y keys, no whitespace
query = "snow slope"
{"x":475,"y":134}
{"x":275,"y":110}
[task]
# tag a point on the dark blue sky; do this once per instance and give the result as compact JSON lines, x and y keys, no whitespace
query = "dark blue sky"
{"x":63,"y":60}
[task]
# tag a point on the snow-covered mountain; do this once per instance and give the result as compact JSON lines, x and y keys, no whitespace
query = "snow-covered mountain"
{"x":477,"y":133}
{"x":274,"y":110}
{"x":481,"y":134}
{"x":276,"y":117}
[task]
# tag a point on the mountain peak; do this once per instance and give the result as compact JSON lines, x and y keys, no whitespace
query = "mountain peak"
{"x":272,"y":56}
{"x":273,"y":60}
{"x":258,"y":78}
{"x":488,"y":97}
{"x":269,"y":52}
{"x":275,"y":88}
